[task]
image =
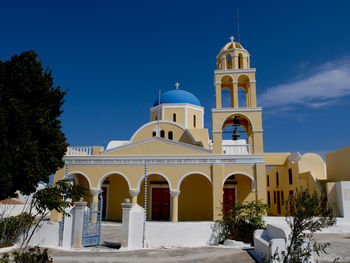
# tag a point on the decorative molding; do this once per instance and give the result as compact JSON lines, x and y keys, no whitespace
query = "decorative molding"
{"x":181,"y":144}
{"x":258,"y":131}
{"x":174,"y":193}
{"x":183,"y":160}
{"x":216,"y":131}
{"x":236,"y":110}
{"x":134,"y":193}
{"x":241,"y":50}
{"x":176,"y":105}
{"x":235,"y":71}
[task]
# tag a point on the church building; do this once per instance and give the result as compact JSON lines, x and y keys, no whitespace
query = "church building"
{"x":189,"y":175}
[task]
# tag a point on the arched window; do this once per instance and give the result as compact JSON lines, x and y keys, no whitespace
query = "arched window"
{"x":170,"y":135}
{"x":156,"y":117}
{"x":154,"y":134}
{"x":174,"y":117}
{"x":162,"y":133}
{"x":229,"y":61}
{"x":194,"y":121}
{"x":240,"y":61}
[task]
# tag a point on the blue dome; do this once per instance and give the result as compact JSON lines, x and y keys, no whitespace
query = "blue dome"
{"x":178,"y":96}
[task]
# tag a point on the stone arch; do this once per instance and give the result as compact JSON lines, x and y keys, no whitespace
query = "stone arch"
{"x":243,"y":84}
{"x":111,"y":173}
{"x":240,"y":61}
{"x":116,"y":187}
{"x":235,"y":114}
{"x":81,"y":173}
{"x":227,"y":84}
{"x":196,"y":197}
{"x":85,"y":182}
{"x":151,"y":173}
{"x":188,"y":174}
{"x":158,"y":196}
{"x":253,"y":181}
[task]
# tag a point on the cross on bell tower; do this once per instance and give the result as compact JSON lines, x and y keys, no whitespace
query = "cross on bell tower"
{"x":177,"y":85}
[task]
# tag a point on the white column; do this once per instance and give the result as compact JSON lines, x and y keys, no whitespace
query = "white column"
{"x":126,"y":206}
{"x":94,"y":197}
{"x":78,"y":223}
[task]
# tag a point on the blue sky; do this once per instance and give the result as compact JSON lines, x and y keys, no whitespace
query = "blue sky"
{"x":114,"y":56}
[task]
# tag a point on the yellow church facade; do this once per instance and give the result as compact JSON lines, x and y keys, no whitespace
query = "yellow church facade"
{"x":189,"y":176}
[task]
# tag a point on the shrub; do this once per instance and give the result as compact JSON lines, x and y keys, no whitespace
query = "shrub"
{"x":240,"y":222}
{"x":32,"y":255}
{"x":12,"y":227}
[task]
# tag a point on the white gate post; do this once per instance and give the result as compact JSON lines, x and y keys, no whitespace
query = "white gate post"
{"x":132,"y":232}
{"x":78,"y":224}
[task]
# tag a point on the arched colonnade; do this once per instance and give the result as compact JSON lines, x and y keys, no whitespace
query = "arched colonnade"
{"x":188,"y":199}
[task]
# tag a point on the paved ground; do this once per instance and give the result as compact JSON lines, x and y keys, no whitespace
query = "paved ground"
{"x":339,"y":247}
{"x":111,"y":232}
{"x":180,"y":255}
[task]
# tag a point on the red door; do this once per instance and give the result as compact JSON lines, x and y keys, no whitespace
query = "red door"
{"x":104,"y":205}
{"x":160,"y":204}
{"x":229,"y":199}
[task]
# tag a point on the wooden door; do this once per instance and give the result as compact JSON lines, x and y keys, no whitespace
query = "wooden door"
{"x":160,"y":204}
{"x":229,"y":199}
{"x":104,"y":205}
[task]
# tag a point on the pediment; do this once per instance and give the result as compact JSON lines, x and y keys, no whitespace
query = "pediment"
{"x":156,"y":146}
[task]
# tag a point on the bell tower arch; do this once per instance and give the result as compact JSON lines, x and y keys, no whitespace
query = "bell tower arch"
{"x":234,"y":75}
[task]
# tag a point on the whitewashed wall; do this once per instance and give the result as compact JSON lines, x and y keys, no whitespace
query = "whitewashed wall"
{"x":47,"y":235}
{"x":180,"y":234}
{"x":343,"y":198}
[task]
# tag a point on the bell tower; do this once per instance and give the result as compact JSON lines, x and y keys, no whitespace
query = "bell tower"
{"x":234,"y":75}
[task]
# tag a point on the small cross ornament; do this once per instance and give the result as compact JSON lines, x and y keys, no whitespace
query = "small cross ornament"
{"x":177,"y":84}
{"x":232,"y":38}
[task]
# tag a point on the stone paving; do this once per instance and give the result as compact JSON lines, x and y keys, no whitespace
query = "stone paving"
{"x":111,"y":232}
{"x":339,"y":247}
{"x":180,"y":255}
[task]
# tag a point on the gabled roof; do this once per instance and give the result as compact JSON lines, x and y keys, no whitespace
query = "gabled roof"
{"x":156,"y":146}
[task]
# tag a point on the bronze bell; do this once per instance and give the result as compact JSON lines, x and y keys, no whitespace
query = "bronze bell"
{"x":235,"y":134}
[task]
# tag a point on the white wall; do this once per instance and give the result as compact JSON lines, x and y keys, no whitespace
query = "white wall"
{"x":343,"y":198}
{"x":180,"y":234}
{"x":46,"y":235}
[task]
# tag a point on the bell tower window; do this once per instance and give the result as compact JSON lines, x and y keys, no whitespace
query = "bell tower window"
{"x":240,"y":61}
{"x":174,"y":117}
{"x":154,"y":134}
{"x":194,"y":121}
{"x":170,"y":135}
{"x":162,"y":133}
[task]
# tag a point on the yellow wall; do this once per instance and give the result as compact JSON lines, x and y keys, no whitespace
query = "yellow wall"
{"x":196,"y":199}
{"x":180,"y":115}
{"x":305,"y":174}
{"x":178,"y":133}
{"x":338,"y":165}
{"x":199,"y":122}
{"x":118,"y":190}
{"x":243,"y":188}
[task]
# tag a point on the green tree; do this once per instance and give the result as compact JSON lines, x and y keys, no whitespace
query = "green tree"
{"x":306,"y":214}
{"x":31,"y":141}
